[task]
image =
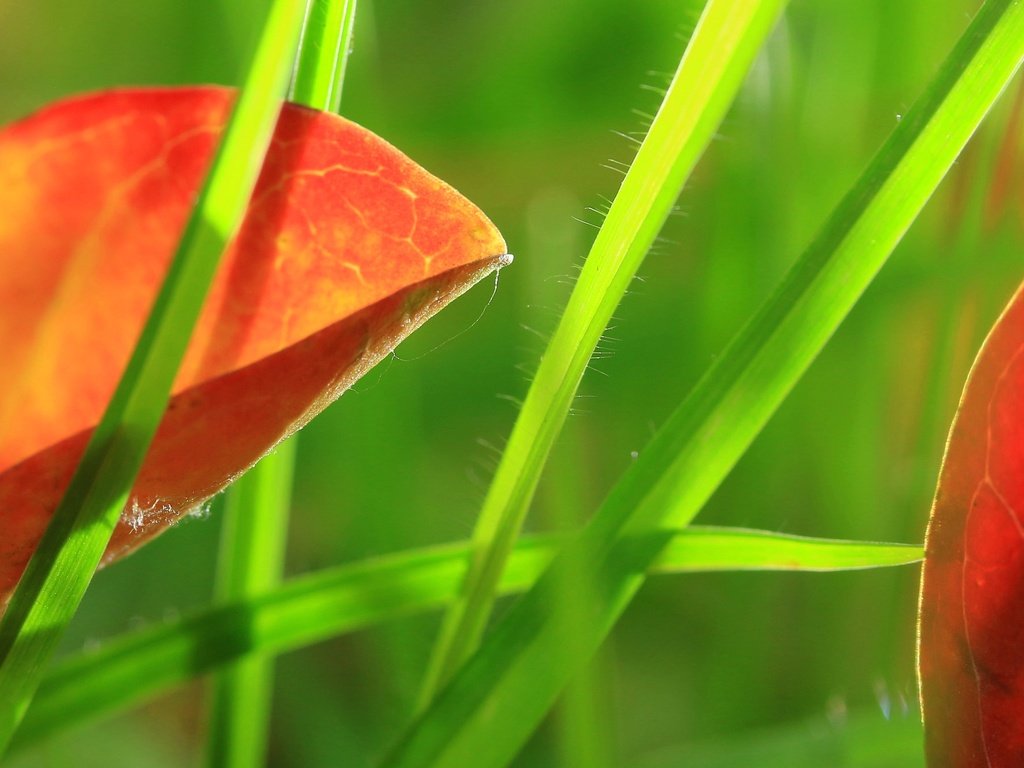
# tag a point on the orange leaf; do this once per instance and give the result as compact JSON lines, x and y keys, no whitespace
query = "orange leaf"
{"x":971,"y":646}
{"x":346,"y":248}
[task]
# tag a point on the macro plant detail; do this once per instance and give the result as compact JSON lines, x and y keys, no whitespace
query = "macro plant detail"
{"x":347,"y":247}
{"x":191,"y":274}
{"x":972,"y":687}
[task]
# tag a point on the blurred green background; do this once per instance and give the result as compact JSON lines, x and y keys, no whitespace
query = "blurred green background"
{"x":518,"y":104}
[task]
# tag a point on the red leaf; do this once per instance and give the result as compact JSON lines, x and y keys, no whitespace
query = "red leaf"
{"x":346,"y":248}
{"x":971,"y":648}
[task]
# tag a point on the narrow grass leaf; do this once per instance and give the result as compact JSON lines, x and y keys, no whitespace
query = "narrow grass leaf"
{"x":255,"y":526}
{"x":720,"y":52}
{"x":500,"y":695}
{"x":323,"y":54}
{"x":127,"y":670}
{"x":60,"y":570}
{"x":251,"y":562}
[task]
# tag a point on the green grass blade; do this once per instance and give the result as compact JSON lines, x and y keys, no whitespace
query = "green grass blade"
{"x":723,"y":46}
{"x":496,"y":700}
{"x":323,"y":54}
{"x":714,"y":548}
{"x":941,"y":388}
{"x":141,"y":664}
{"x":60,"y":571}
{"x":251,"y":562}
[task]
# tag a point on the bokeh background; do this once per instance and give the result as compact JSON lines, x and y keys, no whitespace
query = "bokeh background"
{"x":520,"y":104}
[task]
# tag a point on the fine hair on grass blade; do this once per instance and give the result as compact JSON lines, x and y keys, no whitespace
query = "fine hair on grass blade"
{"x":500,"y":695}
{"x":723,"y":45}
{"x":133,"y":667}
{"x":62,"y":566}
{"x":255,"y":523}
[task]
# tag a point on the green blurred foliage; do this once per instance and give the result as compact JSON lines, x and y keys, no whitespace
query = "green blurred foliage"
{"x":517,"y":104}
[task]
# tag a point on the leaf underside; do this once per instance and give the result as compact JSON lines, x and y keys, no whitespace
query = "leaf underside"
{"x":971,"y":650}
{"x":347,"y":247}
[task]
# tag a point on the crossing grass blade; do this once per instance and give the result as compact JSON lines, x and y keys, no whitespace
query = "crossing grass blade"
{"x":323,"y":54}
{"x":251,"y":562}
{"x":501,"y":694}
{"x":251,"y":559}
{"x":723,"y":45}
{"x":62,"y":567}
{"x":132,"y":668}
